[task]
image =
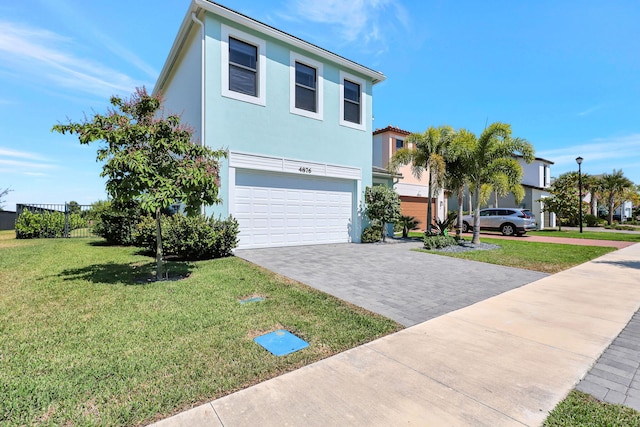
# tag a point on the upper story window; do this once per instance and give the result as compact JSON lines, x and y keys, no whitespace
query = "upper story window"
{"x":306,"y":87}
{"x":243,"y":66}
{"x":352,"y":101}
{"x":399,"y":144}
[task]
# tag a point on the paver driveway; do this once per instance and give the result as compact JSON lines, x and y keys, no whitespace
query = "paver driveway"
{"x":390,"y":279}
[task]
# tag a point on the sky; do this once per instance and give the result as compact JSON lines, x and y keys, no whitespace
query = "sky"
{"x":565,"y":75}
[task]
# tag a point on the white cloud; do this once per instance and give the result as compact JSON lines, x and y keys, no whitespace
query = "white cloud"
{"x":42,"y":54}
{"x":20,"y":154}
{"x":365,"y":21}
{"x":600,"y":155}
{"x":588,"y":111}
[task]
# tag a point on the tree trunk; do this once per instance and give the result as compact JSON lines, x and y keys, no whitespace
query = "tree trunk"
{"x":460,"y":201}
{"x":158,"y":245}
{"x":495,"y":199}
{"x":429,"y":213}
{"x":476,"y":216}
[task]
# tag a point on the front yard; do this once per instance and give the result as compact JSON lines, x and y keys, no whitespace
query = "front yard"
{"x":86,"y":340}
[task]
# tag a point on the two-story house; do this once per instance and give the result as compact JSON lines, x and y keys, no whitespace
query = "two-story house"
{"x":413,"y":192}
{"x":536,"y":179}
{"x":295,"y":118}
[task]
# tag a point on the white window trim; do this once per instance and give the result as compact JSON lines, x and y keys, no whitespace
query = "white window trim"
{"x":319,"y":114}
{"x":261,"y":63}
{"x":363,"y":101}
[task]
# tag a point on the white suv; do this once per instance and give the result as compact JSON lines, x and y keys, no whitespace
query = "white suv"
{"x":509,"y":221}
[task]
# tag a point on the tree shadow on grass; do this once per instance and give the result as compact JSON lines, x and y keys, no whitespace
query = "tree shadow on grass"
{"x":127,"y":273}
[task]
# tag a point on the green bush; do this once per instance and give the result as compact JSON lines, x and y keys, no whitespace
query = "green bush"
{"x":32,"y":225}
{"x":116,"y":222}
{"x":591,"y":220}
{"x":438,"y":242}
{"x":28,"y":225}
{"x":189,"y":237}
{"x":370,"y":235}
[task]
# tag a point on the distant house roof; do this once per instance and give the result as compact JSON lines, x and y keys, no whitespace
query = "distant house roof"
{"x":384,"y":173}
{"x":538,"y":158}
{"x":199,"y":5}
{"x":393,"y":129}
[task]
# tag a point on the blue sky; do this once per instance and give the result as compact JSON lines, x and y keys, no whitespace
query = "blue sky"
{"x":565,"y":75}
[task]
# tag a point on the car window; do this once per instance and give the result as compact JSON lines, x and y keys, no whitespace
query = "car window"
{"x":485,"y":212}
{"x":506,"y":212}
{"x":529,"y":213}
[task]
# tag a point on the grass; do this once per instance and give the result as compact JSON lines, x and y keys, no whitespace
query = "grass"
{"x":596,"y":235}
{"x":582,"y":410}
{"x":531,"y":255}
{"x":86,"y":340}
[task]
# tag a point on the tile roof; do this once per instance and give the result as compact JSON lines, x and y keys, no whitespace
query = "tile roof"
{"x":393,"y":129}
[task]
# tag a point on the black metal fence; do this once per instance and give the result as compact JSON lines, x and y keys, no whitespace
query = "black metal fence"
{"x":60,"y":220}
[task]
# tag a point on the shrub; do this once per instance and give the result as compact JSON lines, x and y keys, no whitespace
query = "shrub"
{"x":227,"y":236}
{"x":438,"y":242}
{"x":406,"y":224}
{"x":189,"y":237}
{"x":117,"y":222}
{"x":32,"y":225}
{"x":591,"y":220}
{"x":370,"y":234}
{"x":28,"y":225}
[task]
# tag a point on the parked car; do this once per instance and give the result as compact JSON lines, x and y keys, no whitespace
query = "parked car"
{"x":509,"y":221}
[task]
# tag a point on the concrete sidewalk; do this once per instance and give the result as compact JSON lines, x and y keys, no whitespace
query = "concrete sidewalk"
{"x":504,"y":361}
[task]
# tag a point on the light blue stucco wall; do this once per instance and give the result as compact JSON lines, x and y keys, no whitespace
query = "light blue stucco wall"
{"x":272,"y":129}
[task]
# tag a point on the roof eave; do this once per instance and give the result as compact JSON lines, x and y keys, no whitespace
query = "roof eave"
{"x":197,"y":5}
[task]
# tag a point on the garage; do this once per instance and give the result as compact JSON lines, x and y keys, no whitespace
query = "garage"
{"x":285,"y":209}
{"x":417,"y":207}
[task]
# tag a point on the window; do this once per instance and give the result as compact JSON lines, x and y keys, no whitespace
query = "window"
{"x":352,"y":101}
{"x":399,"y":144}
{"x":306,"y":87}
{"x":243,"y":66}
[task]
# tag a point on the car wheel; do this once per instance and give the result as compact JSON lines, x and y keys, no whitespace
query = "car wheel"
{"x":508,"y":229}
{"x":465,"y":227}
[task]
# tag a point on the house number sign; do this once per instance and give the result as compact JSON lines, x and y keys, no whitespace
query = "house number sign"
{"x":304,"y":169}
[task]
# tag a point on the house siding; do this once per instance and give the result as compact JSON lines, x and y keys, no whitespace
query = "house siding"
{"x":272,"y":129}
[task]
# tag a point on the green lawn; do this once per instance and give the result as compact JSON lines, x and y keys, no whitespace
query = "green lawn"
{"x":582,"y":410}
{"x":85,"y":340}
{"x":545,"y":257}
{"x":597,"y":235}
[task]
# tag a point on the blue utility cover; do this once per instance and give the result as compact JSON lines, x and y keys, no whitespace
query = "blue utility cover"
{"x":254,"y":299}
{"x":281,"y":343}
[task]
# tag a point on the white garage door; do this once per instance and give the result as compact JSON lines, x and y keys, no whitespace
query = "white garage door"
{"x":276,"y":209}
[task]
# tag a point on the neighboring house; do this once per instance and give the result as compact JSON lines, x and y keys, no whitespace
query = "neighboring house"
{"x":295,"y":118}
{"x":414,"y":192}
{"x":536,"y":180}
{"x":624,"y":211}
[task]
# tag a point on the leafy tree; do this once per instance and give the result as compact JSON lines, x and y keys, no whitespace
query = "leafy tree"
{"x":490,"y":163}
{"x":3,"y":193}
{"x":73,"y":207}
{"x":564,"y":201}
{"x":382,"y":206}
{"x":150,"y":158}
{"x":612,"y":190}
{"x":426,"y":152}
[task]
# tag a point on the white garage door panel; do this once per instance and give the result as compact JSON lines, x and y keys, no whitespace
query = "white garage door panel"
{"x":280,"y":210}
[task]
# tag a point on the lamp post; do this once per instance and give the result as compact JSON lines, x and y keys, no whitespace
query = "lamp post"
{"x":579,"y":161}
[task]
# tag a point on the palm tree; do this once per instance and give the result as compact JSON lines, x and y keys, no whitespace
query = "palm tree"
{"x":426,"y":152}
{"x":455,"y":180}
{"x":490,"y":163}
{"x":612,"y":186}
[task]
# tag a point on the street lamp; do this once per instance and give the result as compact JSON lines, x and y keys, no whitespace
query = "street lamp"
{"x":579,"y":161}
